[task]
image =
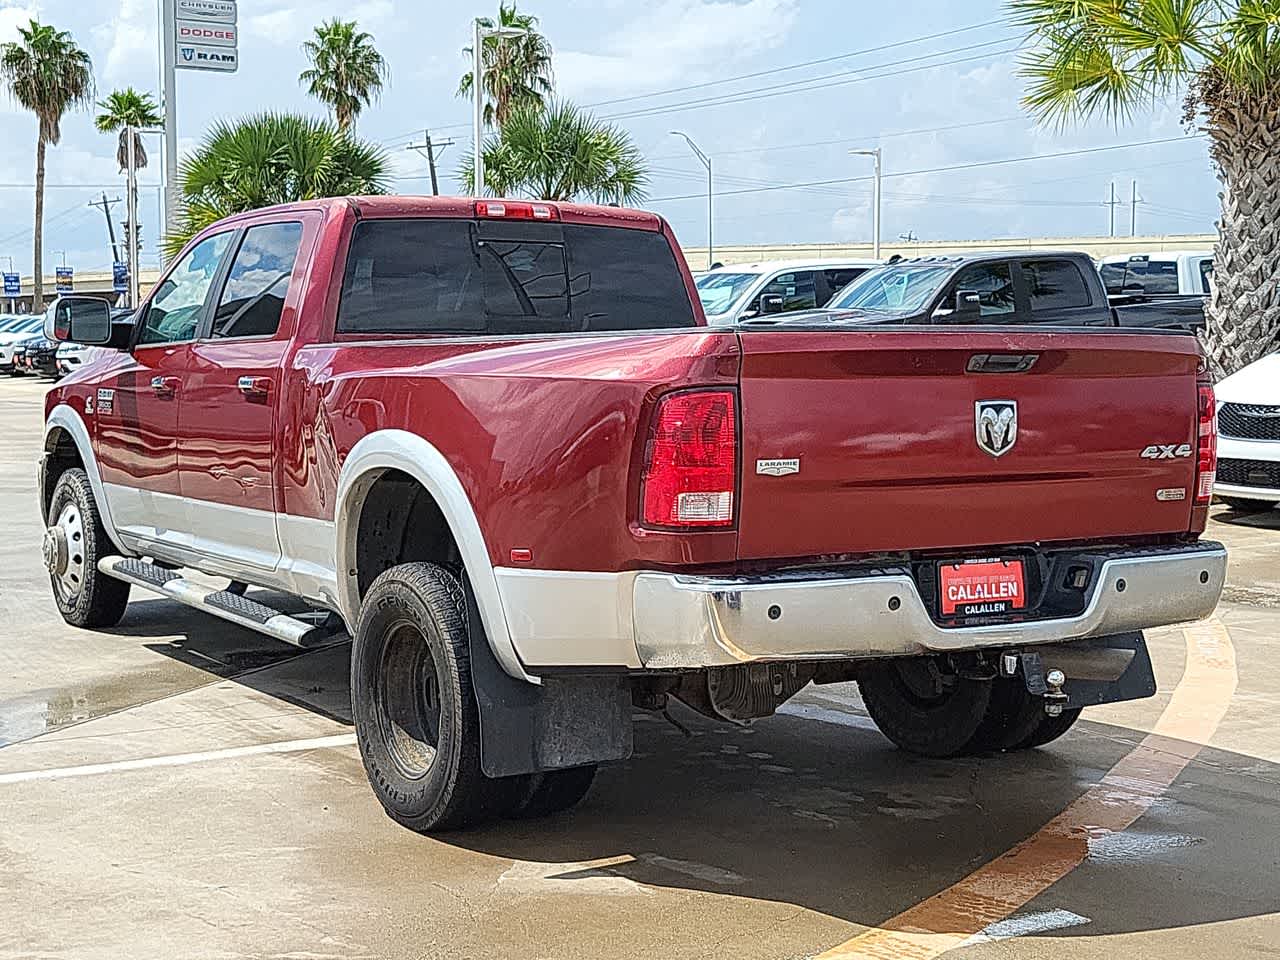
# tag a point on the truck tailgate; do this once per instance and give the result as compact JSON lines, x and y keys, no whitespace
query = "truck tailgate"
{"x":884,"y":426}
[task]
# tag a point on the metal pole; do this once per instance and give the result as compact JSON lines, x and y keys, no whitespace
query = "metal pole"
{"x":1133,"y":210}
{"x":875,"y":227}
{"x":131,"y":240}
{"x":1112,"y":205}
{"x":168,"y":76}
{"x":710,"y":219}
{"x":477,"y":97}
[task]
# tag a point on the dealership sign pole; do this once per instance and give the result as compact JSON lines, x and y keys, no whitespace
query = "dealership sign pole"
{"x":196,"y":35}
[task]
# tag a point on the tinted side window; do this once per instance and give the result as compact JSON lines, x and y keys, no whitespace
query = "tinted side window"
{"x":797,"y":290}
{"x":1206,"y":276}
{"x":253,"y":298}
{"x":624,"y":279}
{"x":412,"y":276}
{"x":993,"y":284}
{"x":1055,"y":285}
{"x":175,"y":310}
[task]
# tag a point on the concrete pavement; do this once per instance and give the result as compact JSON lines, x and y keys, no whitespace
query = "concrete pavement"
{"x":180,"y":787}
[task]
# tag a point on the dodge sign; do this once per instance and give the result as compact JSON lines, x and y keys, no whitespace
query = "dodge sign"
{"x":208,"y":34}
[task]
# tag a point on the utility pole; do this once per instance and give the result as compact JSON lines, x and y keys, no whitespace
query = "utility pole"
{"x":131,"y":240}
{"x":875,"y":213}
{"x":106,"y":206}
{"x":1133,"y":208}
{"x":428,"y":150}
{"x":1112,"y":204}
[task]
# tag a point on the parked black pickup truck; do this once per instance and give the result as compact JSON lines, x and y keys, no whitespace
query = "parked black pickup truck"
{"x":1050,"y":287}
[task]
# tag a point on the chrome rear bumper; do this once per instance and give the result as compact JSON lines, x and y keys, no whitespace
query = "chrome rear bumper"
{"x":689,"y":622}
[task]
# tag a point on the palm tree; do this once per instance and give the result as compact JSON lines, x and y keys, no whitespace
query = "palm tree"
{"x":516,"y":70}
{"x":48,"y":74}
{"x":1109,"y":57}
{"x":272,"y":158}
{"x":128,"y":108}
{"x":558,"y":152}
{"x":347,"y":71}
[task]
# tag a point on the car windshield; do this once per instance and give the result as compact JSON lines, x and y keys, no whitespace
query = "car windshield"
{"x":897,"y":289}
{"x":720,"y":291}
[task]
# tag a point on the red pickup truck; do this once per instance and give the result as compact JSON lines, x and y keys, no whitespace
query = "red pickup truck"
{"x":496,"y":442}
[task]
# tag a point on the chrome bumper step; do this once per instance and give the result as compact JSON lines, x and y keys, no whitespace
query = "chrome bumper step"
{"x":224,"y":604}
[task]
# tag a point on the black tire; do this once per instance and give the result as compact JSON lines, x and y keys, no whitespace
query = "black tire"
{"x":1245,"y":505}
{"x":417,"y":722}
{"x":553,"y":792}
{"x":85,"y":596}
{"x":1012,"y":716}
{"x":1050,"y":729}
{"x":901,"y":699}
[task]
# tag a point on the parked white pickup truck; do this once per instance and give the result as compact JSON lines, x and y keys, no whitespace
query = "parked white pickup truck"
{"x":1157,"y":273}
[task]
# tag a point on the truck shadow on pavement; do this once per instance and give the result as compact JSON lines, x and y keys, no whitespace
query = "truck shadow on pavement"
{"x":827,"y":817}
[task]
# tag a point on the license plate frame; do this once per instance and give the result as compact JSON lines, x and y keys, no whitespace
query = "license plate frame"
{"x":981,"y":588}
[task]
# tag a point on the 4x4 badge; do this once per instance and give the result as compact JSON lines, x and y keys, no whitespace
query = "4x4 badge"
{"x":996,"y":425}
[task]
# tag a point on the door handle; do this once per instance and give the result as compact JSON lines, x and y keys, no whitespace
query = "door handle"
{"x":254,"y":387}
{"x":164,"y":386}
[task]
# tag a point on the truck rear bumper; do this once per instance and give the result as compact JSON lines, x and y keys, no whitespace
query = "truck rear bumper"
{"x":686,"y":622}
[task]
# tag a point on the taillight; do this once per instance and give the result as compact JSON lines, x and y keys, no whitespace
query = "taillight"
{"x":515,"y":210}
{"x":691,"y":461}
{"x":1206,"y":445}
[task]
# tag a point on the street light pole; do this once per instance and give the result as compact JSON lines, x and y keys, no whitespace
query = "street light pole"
{"x":478,"y":35}
{"x":131,"y":240}
{"x":875,"y":215}
{"x":706,"y":162}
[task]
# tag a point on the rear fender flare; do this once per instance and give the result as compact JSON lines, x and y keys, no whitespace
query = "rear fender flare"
{"x":65,"y":417}
{"x":409,"y":453}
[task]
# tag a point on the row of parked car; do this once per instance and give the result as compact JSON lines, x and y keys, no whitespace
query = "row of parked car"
{"x":24,"y":349}
{"x":1144,"y":290}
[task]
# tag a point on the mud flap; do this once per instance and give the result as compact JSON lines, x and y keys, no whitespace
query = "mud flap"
{"x":564,"y":722}
{"x":1099,"y":670}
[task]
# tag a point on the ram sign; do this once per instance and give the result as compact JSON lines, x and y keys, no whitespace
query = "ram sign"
{"x":193,"y":57}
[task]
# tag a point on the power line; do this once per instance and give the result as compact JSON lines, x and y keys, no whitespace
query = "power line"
{"x":401,"y":138}
{"x":947,"y":169}
{"x":807,"y":86}
{"x":789,"y":67}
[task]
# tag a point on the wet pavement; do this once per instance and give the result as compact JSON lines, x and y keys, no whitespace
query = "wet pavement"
{"x":181,"y":787}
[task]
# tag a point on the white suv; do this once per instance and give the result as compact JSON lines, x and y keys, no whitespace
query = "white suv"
{"x":13,"y":330}
{"x":1249,"y":436}
{"x":744,"y":290}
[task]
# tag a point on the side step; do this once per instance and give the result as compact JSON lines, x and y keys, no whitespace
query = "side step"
{"x":224,"y":604}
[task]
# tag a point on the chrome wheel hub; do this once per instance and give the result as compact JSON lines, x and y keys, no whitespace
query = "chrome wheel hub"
{"x":63,"y":552}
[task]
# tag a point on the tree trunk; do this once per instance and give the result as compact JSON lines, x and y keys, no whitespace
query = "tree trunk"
{"x":1244,"y":307}
{"x":37,"y":256}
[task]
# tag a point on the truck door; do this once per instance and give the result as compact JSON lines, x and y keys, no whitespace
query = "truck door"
{"x":137,"y":403}
{"x":227,"y":422}
{"x":1058,"y":293}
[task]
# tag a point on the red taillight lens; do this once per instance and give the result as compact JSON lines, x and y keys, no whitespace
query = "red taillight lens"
{"x":515,"y":210}
{"x":1206,"y":445}
{"x":691,"y":461}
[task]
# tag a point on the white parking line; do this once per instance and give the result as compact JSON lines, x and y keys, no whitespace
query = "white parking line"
{"x":178,"y":759}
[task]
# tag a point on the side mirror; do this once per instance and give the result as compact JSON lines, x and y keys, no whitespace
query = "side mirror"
{"x":967,"y":309}
{"x":84,"y":320}
{"x":771,"y":303}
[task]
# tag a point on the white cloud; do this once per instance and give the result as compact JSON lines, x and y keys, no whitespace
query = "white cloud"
{"x":675,"y":40}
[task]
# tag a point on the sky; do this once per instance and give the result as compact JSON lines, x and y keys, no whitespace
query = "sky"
{"x":776,"y":91}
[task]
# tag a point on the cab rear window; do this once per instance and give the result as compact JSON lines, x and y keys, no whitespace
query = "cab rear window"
{"x":508,"y":278}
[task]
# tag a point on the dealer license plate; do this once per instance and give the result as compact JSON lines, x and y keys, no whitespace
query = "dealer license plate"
{"x":974,"y":588}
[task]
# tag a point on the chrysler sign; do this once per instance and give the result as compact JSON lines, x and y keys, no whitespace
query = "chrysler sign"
{"x":210,"y":11}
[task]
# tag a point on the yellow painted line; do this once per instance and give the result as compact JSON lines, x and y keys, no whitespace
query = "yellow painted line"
{"x":1000,"y":888}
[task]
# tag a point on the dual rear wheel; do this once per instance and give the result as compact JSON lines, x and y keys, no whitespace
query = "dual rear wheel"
{"x":934,"y":713}
{"x":417,"y":721}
